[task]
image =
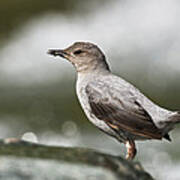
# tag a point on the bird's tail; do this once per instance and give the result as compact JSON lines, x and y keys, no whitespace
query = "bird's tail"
{"x":175,"y":118}
{"x":170,"y":123}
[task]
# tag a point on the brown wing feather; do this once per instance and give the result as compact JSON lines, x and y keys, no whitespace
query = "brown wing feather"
{"x":135,"y":121}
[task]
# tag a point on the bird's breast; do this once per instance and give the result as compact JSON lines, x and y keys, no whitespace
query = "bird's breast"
{"x":84,"y":101}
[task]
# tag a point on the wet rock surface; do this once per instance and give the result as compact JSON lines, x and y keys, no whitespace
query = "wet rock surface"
{"x":25,"y":160}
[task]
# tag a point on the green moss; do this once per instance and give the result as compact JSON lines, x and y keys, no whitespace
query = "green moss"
{"x":121,"y":168}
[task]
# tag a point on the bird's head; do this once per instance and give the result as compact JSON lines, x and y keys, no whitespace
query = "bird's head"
{"x":84,"y":56}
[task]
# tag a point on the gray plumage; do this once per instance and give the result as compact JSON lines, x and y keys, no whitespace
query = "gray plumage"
{"x":111,"y":103}
{"x":133,"y":108}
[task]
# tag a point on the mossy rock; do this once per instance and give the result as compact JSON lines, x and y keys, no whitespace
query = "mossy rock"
{"x":24,"y":160}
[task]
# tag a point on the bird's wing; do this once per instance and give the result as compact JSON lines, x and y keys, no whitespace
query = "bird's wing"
{"x":121,"y":113}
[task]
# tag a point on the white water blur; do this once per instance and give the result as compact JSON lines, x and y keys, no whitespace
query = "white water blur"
{"x":130,"y":32}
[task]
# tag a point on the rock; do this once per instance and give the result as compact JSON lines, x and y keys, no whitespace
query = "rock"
{"x":30,"y":161}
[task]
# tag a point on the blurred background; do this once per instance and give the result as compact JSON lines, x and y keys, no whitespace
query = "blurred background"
{"x":141,"y":40}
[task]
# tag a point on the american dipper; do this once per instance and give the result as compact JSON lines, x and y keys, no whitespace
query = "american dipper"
{"x":112,"y":104}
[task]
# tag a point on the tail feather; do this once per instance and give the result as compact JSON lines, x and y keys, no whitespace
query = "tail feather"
{"x":170,"y":123}
{"x":175,"y":118}
{"x":167,"y":137}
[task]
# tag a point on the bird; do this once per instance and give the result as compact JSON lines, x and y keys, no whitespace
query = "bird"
{"x":112,"y":104}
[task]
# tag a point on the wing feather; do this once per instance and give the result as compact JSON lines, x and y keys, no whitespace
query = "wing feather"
{"x":131,"y":118}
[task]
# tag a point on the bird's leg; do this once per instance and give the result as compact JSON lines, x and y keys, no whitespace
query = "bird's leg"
{"x":131,"y":149}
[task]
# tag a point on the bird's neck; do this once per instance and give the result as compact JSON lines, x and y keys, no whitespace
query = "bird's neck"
{"x":87,"y":76}
{"x":93,"y":67}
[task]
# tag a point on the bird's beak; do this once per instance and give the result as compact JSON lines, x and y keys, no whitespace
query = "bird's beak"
{"x":57,"y":52}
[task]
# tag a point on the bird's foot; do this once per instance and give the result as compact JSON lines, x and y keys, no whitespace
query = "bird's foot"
{"x":131,"y":149}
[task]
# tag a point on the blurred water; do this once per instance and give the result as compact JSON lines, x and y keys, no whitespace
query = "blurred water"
{"x":135,"y":32}
{"x":17,"y":168}
{"x":141,"y":40}
{"x":158,"y":158}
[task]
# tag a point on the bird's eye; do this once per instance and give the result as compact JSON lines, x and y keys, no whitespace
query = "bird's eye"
{"x":77,"y":52}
